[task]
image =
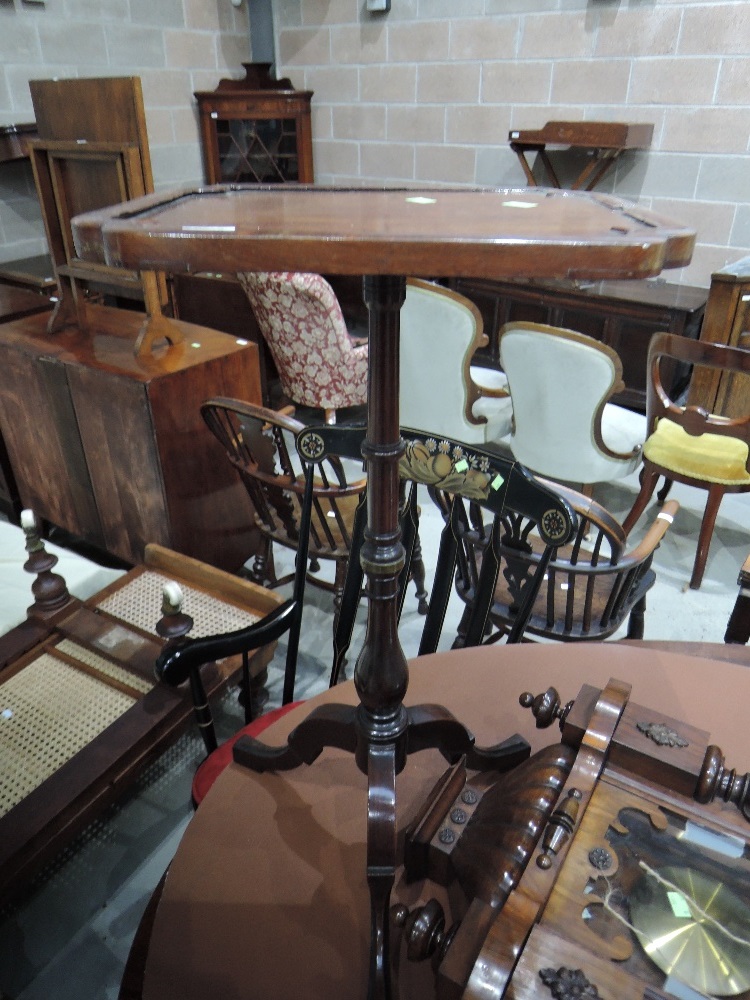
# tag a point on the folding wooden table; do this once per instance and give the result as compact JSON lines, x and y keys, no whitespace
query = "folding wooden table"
{"x":605,"y":142}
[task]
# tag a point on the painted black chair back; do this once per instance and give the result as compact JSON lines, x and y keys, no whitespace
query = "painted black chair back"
{"x":460,"y":474}
{"x":592,"y":585}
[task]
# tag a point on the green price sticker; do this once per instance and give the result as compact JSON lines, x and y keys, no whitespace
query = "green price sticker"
{"x":680,"y":906}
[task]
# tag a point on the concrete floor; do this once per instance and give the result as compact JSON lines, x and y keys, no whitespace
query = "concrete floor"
{"x":69,"y":936}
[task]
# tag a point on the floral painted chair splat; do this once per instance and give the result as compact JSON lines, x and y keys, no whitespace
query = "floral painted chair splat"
{"x":462,"y":474}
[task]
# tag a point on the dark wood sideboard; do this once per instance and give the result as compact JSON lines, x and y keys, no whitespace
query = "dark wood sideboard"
{"x":727,"y":321}
{"x":15,"y":303}
{"x":622,"y":314}
{"x":110,"y":446}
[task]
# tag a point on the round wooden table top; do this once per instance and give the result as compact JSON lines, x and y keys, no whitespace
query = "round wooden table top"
{"x":266,"y":896}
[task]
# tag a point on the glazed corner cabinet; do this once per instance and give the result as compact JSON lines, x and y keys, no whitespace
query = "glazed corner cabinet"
{"x":256,"y":130}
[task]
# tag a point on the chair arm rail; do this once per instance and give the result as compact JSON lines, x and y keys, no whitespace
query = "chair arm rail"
{"x":656,"y":532}
{"x":179,"y":658}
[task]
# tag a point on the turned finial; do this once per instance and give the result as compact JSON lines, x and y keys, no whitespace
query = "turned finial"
{"x":49,"y":589}
{"x":173,"y":622}
{"x":424,"y":930}
{"x":718,"y":781}
{"x":546,"y":707}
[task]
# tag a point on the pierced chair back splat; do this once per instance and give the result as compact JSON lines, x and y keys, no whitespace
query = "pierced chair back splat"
{"x":591,"y":584}
{"x":686,"y":444}
{"x":465,"y":473}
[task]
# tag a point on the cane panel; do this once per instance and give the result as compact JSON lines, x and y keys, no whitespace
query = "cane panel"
{"x":135,"y":602}
{"x":48,"y":712}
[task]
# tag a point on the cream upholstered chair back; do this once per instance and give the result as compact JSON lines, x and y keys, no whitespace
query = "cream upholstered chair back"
{"x":440,"y":331}
{"x":564,"y":428}
{"x":319,"y":364}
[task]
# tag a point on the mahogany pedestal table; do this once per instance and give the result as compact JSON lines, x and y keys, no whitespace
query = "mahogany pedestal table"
{"x":386,"y":235}
{"x":266,"y":896}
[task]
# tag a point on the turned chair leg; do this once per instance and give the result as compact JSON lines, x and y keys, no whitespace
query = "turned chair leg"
{"x":715,"y":496}
{"x":649,"y":479}
{"x":663,"y":493}
{"x":418,"y":576}
{"x":263,"y":571}
{"x":636,"y":619}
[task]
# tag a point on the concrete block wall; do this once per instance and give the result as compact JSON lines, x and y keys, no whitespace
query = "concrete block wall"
{"x":175,"y":46}
{"x":429,"y":91}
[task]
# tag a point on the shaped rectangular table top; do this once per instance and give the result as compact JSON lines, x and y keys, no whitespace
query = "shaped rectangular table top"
{"x":384,"y":234}
{"x":504,"y":232}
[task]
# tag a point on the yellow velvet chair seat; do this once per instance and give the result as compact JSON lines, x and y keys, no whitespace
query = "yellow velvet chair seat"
{"x":711,"y":457}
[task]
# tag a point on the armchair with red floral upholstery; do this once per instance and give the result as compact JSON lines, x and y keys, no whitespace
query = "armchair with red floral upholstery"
{"x":319,"y":364}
